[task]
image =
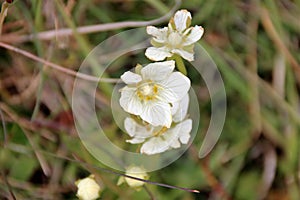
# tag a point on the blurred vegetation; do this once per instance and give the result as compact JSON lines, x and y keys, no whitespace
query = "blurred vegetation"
{"x":256,"y":46}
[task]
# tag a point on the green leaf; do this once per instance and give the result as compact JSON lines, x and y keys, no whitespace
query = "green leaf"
{"x":23,"y":168}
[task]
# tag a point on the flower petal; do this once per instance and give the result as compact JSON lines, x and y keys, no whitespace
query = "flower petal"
{"x":175,"y":87}
{"x":174,"y":143}
{"x":175,"y":107}
{"x":182,"y":108}
{"x":185,"y":128}
{"x":157,"y":54}
{"x":158,"y":71}
{"x":136,"y":130}
{"x":157,"y":113}
{"x":136,"y":141}
{"x":160,"y":34}
{"x":171,"y":137}
{"x":182,"y":19}
{"x":130,"y":102}
{"x":131,"y":78}
{"x":181,"y":131}
{"x":194,"y":35}
{"x":154,"y":145}
{"x":184,"y":54}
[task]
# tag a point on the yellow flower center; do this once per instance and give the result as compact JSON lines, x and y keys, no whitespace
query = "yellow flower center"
{"x":147,"y":91}
{"x":174,"y":39}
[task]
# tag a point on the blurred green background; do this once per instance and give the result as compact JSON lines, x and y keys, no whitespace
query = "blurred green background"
{"x":255,"y":45}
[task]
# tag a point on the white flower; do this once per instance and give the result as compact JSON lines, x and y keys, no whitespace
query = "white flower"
{"x":158,"y":139}
{"x":134,"y":171}
{"x":178,"y":38}
{"x":88,"y":189}
{"x":151,"y":93}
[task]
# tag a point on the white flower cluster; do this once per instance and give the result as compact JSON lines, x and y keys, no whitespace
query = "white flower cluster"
{"x":156,"y":96}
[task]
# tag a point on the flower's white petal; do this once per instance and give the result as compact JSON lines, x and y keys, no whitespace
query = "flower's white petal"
{"x":175,"y":87}
{"x":130,"y":102}
{"x":130,"y":126}
{"x":184,"y":129}
{"x":154,"y":145}
{"x":160,"y":34}
{"x":136,"y":141}
{"x":175,"y":144}
{"x":157,"y":113}
{"x":182,"y":109}
{"x":184,"y":54}
{"x":157,"y":54}
{"x":181,"y":19}
{"x":127,"y":94}
{"x":167,"y":94}
{"x":131,"y":78}
{"x":181,"y":131}
{"x":175,"y":107}
{"x":171,"y":137}
{"x":158,"y":71}
{"x":194,"y":35}
{"x":136,"y":130}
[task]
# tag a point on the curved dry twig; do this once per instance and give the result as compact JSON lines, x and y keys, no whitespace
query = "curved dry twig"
{"x":48,"y":35}
{"x":274,"y":36}
{"x":82,"y":30}
{"x":58,"y":67}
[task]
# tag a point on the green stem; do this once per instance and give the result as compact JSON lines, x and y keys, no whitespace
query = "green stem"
{"x":180,"y":64}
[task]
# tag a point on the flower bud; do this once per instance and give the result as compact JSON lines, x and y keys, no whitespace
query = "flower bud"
{"x":88,"y":189}
{"x":137,"y":172}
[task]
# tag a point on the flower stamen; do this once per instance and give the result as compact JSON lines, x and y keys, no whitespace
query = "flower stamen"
{"x":147,"y":91}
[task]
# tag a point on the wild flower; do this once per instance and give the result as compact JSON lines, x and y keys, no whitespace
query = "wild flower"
{"x":152,"y":90}
{"x":176,"y":39}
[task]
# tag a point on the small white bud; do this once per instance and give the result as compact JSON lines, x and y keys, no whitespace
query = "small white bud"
{"x":137,"y":172}
{"x":88,"y":189}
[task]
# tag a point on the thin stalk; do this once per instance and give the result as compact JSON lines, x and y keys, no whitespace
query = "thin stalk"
{"x":4,"y":127}
{"x":105,"y":169}
{"x":3,"y":14}
{"x":149,"y":192}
